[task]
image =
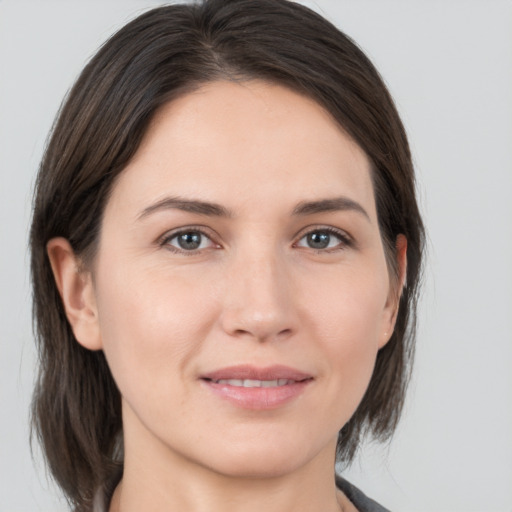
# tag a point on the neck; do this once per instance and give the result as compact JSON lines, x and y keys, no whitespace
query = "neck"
{"x":156,"y":478}
{"x":238,"y":496}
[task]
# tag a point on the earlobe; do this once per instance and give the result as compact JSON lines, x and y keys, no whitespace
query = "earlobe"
{"x":77,"y":293}
{"x":396,"y":290}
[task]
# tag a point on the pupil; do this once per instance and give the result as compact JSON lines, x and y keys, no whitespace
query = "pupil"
{"x":319,"y":240}
{"x":189,"y":241}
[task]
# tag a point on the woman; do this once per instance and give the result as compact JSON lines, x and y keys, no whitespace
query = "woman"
{"x":226,"y":249}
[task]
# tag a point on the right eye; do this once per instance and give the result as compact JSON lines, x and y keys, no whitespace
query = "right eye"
{"x":190,"y":240}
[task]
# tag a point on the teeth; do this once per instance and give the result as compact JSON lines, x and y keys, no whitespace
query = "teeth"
{"x":252,"y":383}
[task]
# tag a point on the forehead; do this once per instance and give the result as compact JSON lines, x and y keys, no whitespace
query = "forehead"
{"x":240,"y":141}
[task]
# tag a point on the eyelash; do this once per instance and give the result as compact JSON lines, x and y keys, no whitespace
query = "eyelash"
{"x":345,"y":241}
{"x":166,"y":239}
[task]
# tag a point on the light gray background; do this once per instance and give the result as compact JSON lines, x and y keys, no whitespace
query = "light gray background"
{"x":449,"y":66}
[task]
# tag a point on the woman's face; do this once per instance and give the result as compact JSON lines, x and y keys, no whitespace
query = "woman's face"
{"x":240,"y":287}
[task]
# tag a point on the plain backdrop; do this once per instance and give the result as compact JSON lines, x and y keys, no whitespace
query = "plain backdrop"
{"x":449,"y":66}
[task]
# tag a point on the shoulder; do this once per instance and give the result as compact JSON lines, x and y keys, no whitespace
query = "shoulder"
{"x":358,"y":498}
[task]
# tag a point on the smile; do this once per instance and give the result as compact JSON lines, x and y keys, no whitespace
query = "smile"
{"x":252,"y":383}
{"x":249,"y":387}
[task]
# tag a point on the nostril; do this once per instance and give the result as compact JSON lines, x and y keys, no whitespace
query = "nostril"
{"x":263,"y":336}
{"x":249,"y":318}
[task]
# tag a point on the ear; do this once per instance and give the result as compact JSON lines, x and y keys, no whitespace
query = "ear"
{"x":77,"y":293}
{"x":393,"y":301}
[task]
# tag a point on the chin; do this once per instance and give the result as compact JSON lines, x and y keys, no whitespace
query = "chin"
{"x":261,"y":460}
{"x":256,"y":468}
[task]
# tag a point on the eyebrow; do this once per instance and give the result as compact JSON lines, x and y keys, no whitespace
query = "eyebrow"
{"x":186,"y":205}
{"x":216,"y":210}
{"x":330,"y":205}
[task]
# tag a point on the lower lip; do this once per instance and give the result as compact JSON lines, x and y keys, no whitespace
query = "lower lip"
{"x":258,"y":398}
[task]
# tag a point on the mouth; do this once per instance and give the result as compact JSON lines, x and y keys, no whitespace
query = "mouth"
{"x":254,"y":383}
{"x":255,"y":388}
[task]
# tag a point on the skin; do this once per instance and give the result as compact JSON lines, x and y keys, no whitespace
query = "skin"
{"x":255,"y":292}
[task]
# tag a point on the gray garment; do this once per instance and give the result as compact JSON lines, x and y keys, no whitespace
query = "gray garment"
{"x":357,"y":497}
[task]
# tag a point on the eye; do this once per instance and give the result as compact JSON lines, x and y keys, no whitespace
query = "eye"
{"x":324,"y":239}
{"x":190,"y":240}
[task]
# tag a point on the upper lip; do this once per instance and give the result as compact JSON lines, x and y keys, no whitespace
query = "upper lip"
{"x":242,"y":372}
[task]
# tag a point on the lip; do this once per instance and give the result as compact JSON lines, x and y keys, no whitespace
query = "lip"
{"x":257,"y":398}
{"x":273,"y":372}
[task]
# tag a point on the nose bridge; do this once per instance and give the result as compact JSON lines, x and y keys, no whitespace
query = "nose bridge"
{"x":257,"y":301}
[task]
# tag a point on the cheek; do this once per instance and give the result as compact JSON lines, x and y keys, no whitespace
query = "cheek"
{"x":348,"y":304}
{"x":346,"y":316}
{"x":149,"y":323}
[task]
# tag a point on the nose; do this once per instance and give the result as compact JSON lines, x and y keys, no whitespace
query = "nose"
{"x":258,"y":300}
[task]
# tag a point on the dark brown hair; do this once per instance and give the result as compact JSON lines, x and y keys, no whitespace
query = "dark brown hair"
{"x":164,"y":53}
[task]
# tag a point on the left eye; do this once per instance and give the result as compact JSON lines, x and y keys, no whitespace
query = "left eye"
{"x":189,"y":241}
{"x":322,"y":239}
